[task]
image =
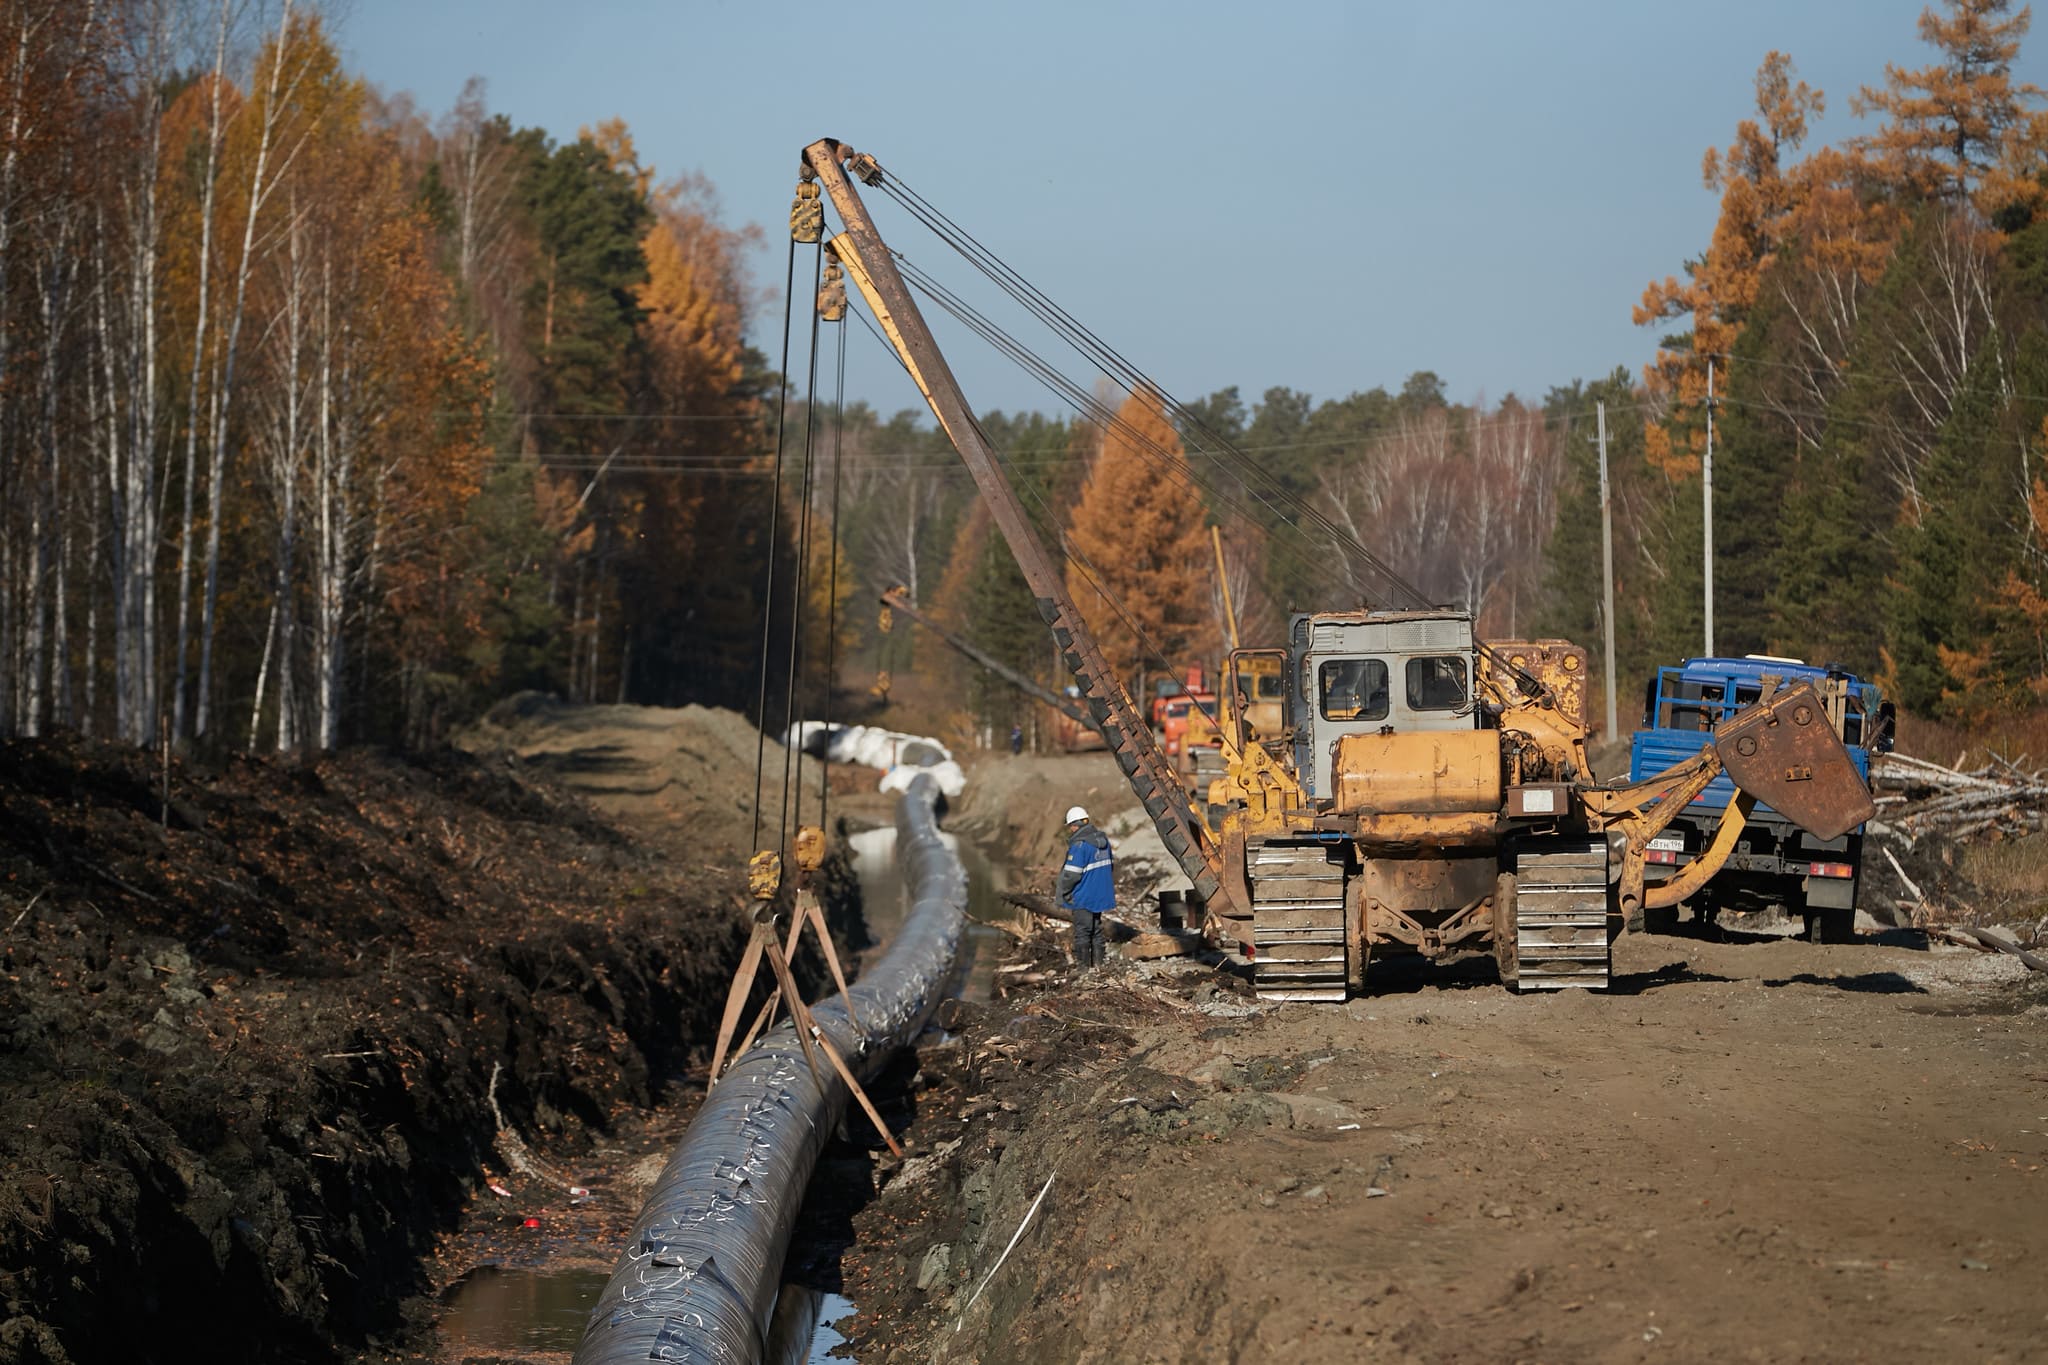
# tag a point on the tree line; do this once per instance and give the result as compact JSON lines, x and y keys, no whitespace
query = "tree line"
{"x":1873,"y":315}
{"x":324,"y":419}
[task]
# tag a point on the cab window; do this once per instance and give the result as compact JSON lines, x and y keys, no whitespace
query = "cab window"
{"x":1353,"y":689}
{"x":1271,"y":687}
{"x":1691,"y":705}
{"x":1436,"y":683}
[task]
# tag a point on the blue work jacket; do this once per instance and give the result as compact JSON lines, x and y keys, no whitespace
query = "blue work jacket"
{"x":1088,"y":880}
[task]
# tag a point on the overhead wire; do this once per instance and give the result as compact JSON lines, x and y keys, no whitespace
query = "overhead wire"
{"x":1119,"y":368}
{"x":750,"y":462}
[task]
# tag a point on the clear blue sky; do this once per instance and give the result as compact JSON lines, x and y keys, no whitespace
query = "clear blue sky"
{"x":1316,"y":195}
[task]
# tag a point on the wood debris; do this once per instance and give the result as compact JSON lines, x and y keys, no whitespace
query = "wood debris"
{"x":1916,"y":797}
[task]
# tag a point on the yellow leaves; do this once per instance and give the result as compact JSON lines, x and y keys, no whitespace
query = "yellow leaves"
{"x":694,"y":333}
{"x":694,"y":300}
{"x":612,"y":138}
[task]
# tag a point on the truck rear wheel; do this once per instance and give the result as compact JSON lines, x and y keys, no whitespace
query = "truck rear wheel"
{"x":1831,"y":924}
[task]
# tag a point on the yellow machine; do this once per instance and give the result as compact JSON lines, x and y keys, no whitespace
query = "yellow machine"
{"x":1432,"y":796}
{"x":1389,"y":784}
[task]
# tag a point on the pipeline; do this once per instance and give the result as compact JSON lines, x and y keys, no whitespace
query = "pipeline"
{"x":699,"y":1275}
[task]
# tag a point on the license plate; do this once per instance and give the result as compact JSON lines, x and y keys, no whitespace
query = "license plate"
{"x":1669,"y":843}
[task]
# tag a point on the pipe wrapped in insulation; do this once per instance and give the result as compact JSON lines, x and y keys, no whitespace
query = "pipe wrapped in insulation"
{"x":699,"y":1275}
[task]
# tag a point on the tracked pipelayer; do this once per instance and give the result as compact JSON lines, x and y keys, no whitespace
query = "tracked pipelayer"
{"x":1431,"y":793}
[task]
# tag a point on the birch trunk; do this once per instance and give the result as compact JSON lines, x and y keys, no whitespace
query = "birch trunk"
{"x":335,"y":472}
{"x":128,"y":343}
{"x":284,"y":476}
{"x":262,"y":182}
{"x":206,"y":203}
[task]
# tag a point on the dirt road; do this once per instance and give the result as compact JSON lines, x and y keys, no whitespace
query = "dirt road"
{"x":1762,"y":1150}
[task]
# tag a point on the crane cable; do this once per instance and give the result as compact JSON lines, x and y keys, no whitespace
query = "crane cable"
{"x":774,"y":526}
{"x":832,"y":582}
{"x":1114,"y":364}
{"x":791,"y":748}
{"x":1094,"y":410}
{"x":1047,"y":522}
{"x":1123,"y":371}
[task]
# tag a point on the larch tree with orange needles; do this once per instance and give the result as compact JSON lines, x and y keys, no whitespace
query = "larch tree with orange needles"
{"x":1960,"y":128}
{"x":1757,"y":200}
{"x":1138,"y":533}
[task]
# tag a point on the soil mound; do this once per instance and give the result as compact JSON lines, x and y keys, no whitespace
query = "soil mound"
{"x":683,"y":772}
{"x":247,"y":1032}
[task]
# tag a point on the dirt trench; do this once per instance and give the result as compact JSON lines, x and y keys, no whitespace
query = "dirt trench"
{"x":250,"y":1035}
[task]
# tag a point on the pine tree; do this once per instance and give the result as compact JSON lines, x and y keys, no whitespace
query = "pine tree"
{"x":1949,"y":560}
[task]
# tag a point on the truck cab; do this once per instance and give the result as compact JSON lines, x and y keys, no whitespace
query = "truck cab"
{"x":1776,"y":862}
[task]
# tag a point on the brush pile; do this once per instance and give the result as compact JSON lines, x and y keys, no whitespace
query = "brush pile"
{"x":1916,"y":797}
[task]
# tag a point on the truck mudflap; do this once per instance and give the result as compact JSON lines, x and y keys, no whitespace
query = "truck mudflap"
{"x":1783,"y":752}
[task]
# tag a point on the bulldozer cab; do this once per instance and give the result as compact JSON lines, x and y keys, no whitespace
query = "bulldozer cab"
{"x":1376,"y":673}
{"x":1256,"y":688}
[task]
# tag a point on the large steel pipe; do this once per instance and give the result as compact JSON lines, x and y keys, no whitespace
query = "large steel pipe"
{"x":698,"y":1277}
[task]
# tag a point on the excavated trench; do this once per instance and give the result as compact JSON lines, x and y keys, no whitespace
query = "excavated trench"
{"x":701,"y":1275}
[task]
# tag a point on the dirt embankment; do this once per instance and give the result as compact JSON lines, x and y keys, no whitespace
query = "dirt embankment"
{"x":1015,"y":807}
{"x":246,"y":1042}
{"x":1761,"y":1150}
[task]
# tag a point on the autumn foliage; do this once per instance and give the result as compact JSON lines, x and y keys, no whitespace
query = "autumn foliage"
{"x":1137,"y":539}
{"x":1874,"y":310}
{"x":323,"y":419}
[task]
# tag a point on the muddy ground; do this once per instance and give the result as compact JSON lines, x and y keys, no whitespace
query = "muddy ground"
{"x":254,"y":1015}
{"x":1751,"y":1149}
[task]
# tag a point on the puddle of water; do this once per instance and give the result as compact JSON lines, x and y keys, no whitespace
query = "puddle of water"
{"x":882,"y":900}
{"x":507,"y":1308}
{"x":801,"y":1332}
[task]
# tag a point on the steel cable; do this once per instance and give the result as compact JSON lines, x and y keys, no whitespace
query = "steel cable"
{"x":774,"y":524}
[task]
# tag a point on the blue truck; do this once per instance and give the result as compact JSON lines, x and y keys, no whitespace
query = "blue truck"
{"x":1776,"y":863}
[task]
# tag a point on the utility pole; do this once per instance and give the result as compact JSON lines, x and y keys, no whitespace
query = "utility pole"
{"x":1223,"y":579}
{"x":1607,"y":574}
{"x":1707,"y":493}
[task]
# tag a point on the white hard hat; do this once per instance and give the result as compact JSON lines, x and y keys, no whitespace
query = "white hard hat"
{"x":1075,"y":813}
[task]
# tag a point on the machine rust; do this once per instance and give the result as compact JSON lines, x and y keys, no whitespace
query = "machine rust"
{"x":1783,"y":752}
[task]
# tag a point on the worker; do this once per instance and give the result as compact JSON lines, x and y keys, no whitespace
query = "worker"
{"x":1087,"y":886}
{"x":1016,"y":740}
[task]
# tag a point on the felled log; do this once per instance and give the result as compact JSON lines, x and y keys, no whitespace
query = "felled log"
{"x":1118,"y":931}
{"x":1163,"y":943}
{"x":1984,"y":940}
